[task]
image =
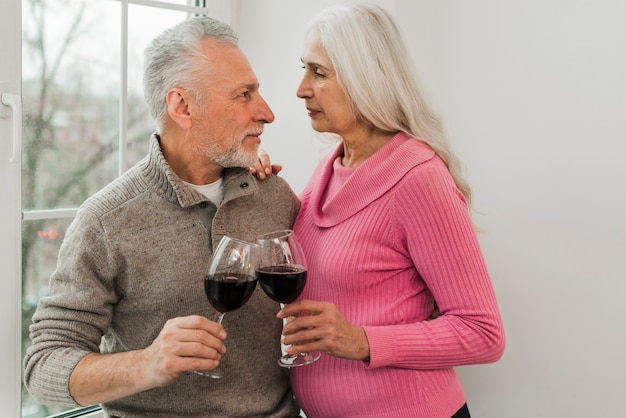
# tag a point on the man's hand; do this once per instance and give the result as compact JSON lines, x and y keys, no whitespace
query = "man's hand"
{"x":184,"y":344}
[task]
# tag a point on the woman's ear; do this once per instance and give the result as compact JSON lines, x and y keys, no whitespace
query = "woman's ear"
{"x":178,"y":107}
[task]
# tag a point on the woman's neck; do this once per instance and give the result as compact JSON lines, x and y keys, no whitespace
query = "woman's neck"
{"x":359,"y":147}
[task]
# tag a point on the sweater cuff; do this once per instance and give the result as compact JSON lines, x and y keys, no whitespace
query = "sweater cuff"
{"x":383,"y":346}
{"x":54,"y":376}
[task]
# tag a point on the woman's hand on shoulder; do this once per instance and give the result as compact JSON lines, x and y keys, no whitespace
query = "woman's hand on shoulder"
{"x":263,"y":166}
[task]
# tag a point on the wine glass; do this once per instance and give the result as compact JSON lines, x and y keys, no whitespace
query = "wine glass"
{"x":230,"y":281}
{"x":282,"y":274}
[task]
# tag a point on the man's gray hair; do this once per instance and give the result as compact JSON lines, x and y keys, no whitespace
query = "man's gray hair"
{"x":174,"y":59}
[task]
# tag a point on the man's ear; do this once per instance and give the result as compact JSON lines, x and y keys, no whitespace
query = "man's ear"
{"x":178,"y":107}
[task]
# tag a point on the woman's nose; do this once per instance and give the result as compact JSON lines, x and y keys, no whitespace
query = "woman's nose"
{"x":304,"y":91}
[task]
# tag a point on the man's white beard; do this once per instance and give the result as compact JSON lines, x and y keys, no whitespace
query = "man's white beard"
{"x":236,"y":157}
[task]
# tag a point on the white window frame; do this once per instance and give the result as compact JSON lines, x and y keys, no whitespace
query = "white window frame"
{"x":11,"y":212}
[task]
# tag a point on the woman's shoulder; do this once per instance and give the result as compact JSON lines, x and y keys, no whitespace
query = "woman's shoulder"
{"x":414,"y":146}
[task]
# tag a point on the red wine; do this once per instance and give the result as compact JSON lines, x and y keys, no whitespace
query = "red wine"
{"x":282,"y":283}
{"x":228,"y":292}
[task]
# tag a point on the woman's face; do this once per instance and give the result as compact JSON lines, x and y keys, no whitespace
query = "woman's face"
{"x":325,"y":100}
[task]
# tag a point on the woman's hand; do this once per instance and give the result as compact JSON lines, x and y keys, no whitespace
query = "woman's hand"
{"x":263,"y":166}
{"x":321,"y":327}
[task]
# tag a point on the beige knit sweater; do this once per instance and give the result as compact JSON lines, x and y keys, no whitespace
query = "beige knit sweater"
{"x":134,"y":257}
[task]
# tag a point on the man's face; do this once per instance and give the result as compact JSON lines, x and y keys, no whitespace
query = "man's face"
{"x":231,"y":112}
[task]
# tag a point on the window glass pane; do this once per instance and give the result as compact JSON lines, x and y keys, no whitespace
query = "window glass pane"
{"x":140,"y":123}
{"x":41,"y":240}
{"x":71,"y":95}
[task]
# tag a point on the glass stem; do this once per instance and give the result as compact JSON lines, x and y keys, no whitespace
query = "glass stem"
{"x":283,"y":347}
{"x":216,"y":373}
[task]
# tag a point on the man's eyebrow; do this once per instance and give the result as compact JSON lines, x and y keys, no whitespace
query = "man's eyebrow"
{"x":249,"y":86}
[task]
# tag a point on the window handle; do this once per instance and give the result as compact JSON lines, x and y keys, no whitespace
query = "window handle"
{"x":15,"y":103}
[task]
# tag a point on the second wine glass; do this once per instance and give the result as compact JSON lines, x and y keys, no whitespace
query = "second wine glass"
{"x":282,"y":274}
{"x":231,"y":280}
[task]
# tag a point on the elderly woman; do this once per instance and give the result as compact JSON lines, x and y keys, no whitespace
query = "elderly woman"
{"x":388,"y":237}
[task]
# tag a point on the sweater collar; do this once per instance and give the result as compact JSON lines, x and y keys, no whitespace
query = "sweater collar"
{"x":375,"y":177}
{"x":237,"y":181}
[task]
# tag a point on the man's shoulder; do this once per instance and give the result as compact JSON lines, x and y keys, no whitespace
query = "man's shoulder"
{"x":275,"y":189}
{"x":243,"y":178}
{"x":117,"y":193}
{"x":274,"y":181}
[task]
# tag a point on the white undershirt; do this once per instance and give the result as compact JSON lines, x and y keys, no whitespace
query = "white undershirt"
{"x":213,"y":191}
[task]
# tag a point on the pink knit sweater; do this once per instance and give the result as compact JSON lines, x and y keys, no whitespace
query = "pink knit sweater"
{"x":393,"y":239}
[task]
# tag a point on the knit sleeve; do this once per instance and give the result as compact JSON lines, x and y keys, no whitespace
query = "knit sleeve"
{"x":433,"y":224}
{"x":70,"y":322}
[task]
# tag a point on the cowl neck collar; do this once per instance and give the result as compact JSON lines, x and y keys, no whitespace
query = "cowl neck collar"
{"x":368,"y":182}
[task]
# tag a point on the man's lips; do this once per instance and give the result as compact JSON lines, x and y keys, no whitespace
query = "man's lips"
{"x":256,"y":137}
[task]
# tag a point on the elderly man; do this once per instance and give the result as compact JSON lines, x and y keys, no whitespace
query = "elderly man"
{"x":126,"y":320}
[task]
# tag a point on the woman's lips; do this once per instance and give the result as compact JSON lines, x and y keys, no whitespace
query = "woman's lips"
{"x":312,"y":112}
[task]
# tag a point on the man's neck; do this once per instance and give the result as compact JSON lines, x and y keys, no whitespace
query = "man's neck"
{"x":190,"y":166}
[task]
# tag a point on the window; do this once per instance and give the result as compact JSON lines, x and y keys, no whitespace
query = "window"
{"x":84,"y":118}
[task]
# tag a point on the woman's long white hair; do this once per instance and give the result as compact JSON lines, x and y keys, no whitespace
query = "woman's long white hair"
{"x":374,"y":68}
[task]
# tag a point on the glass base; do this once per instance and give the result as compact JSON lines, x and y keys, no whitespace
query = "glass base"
{"x":213,"y":374}
{"x":299,"y":359}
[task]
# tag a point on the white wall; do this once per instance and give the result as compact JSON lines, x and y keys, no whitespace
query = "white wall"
{"x":534,"y":96}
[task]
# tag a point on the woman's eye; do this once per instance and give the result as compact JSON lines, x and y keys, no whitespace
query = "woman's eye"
{"x":316,"y":73}
{"x":313,"y":70}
